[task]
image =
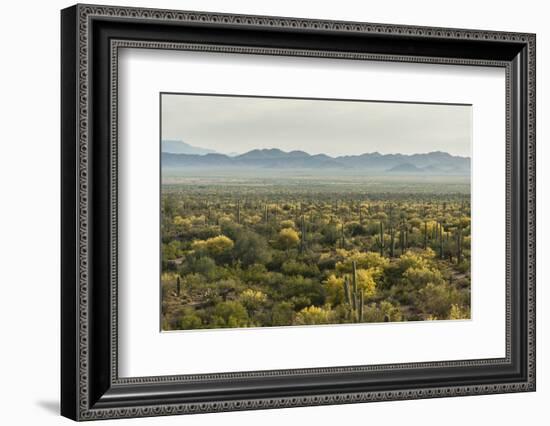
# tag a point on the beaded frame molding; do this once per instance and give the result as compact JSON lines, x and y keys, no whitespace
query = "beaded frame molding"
{"x":91,"y":39}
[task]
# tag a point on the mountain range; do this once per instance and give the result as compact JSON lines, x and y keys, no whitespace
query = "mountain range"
{"x":432,"y":163}
{"x":173,"y":146}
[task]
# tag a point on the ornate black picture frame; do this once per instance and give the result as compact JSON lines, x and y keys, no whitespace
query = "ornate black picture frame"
{"x":91,"y":36}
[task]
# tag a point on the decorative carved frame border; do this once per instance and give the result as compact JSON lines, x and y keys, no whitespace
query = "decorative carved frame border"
{"x":116,"y":45}
{"x":85,"y":14}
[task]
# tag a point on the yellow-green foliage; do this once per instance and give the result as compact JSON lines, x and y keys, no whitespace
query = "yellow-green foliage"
{"x":465,"y":221}
{"x":287,"y":224}
{"x":432,"y":226}
{"x":364,"y":260}
{"x":288,"y":238}
{"x":198,"y":220}
{"x":412,"y":260}
{"x":252,"y":299}
{"x":218,"y":245}
{"x":225,"y":219}
{"x":190,"y":321}
{"x":365,"y":282}
{"x":422,"y":276}
{"x":292,"y":267}
{"x":230,"y":314}
{"x":253,"y":219}
{"x":437,"y":299}
{"x":457,"y":312}
{"x":181,"y":222}
{"x":172,"y":250}
{"x":334,"y":287}
{"x":366,"y":278}
{"x":168,"y":276}
{"x":198,"y":245}
{"x":215,"y":246}
{"x":314,"y":315}
{"x":383,"y":311}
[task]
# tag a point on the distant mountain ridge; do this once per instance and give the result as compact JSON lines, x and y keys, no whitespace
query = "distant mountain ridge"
{"x":174,"y":146}
{"x":434,"y":163}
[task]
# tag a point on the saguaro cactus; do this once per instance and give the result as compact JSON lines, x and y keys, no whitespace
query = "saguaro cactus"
{"x":402,"y":238}
{"x":178,"y":286}
{"x":239,"y":212}
{"x":425,"y":234}
{"x":392,"y":241}
{"x":354,"y":275}
{"x":459,"y":245}
{"x":354,"y":297}
{"x":361,"y":306}
{"x":342,"y":236}
{"x":347,"y":291}
{"x":381,"y":238}
{"x":303,"y":236}
{"x":440,"y":240}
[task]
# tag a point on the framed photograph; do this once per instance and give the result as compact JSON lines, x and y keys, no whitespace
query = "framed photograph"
{"x":263,"y":212}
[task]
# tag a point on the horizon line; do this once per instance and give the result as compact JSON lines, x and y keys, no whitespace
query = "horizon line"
{"x":305,"y":152}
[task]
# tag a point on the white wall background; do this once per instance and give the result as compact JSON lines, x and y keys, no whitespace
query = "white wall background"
{"x":29,"y":212}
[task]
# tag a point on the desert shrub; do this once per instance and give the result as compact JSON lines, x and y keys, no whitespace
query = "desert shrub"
{"x":420,"y":277}
{"x":464,"y":267}
{"x":437,"y":299}
{"x":172,"y":250}
{"x":228,"y":285}
{"x":252,"y":299}
{"x":298,"y":286}
{"x":203,"y":265}
{"x":365,"y":282}
{"x":411,"y":260}
{"x":219,"y":245}
{"x":415,"y":222}
{"x":292,"y":267}
{"x":256,"y":273}
{"x":326,"y":262}
{"x":300,"y":302}
{"x":182,"y":222}
{"x":251,"y":248}
{"x":287,"y":224}
{"x":230,"y":314}
{"x":355,"y":228}
{"x":382,"y":312}
{"x":363,"y":260}
{"x":282,"y":314}
{"x":458,"y":312}
{"x":330,"y":234}
{"x":334,"y":289}
{"x":190,"y":321}
{"x":372,"y":228}
{"x":288,"y":238}
{"x":313,"y":315}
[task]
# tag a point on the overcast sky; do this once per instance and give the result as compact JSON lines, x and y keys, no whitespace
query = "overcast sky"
{"x":239,"y":124}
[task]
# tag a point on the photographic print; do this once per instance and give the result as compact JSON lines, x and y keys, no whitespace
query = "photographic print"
{"x":220,"y":189}
{"x":299,"y":211}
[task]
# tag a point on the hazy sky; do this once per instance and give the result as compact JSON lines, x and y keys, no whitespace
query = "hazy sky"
{"x":240,"y":124}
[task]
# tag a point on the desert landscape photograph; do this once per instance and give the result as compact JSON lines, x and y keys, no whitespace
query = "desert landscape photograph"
{"x":301,"y":212}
